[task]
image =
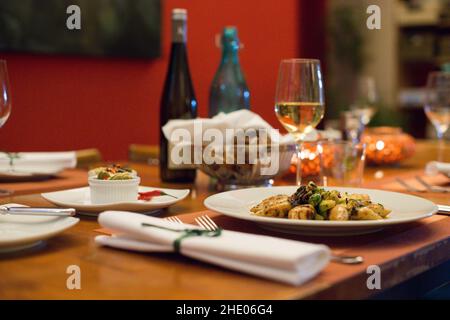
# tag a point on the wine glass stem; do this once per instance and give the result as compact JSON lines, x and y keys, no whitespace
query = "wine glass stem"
{"x":441,"y":147}
{"x":299,"y":163}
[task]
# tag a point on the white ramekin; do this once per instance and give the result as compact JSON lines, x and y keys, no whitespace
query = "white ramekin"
{"x":109,"y":191}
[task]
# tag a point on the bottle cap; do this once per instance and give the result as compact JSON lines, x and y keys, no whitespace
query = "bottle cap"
{"x":230,"y":29}
{"x":230,"y":37}
{"x":179,"y":14}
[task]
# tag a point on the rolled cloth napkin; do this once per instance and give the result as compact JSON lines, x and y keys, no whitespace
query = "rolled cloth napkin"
{"x":39,"y":161}
{"x":287,"y":261}
{"x":241,"y":119}
{"x":435,"y":167}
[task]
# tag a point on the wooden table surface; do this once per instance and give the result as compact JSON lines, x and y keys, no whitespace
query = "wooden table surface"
{"x":106,"y":273}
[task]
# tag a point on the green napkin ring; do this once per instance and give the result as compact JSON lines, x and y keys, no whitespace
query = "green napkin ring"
{"x":187,"y":233}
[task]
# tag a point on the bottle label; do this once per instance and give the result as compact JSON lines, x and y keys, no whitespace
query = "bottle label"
{"x":179,"y":158}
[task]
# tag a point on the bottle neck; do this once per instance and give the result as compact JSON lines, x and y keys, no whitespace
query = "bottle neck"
{"x":178,"y":52}
{"x":179,"y":31}
{"x":230,"y":54}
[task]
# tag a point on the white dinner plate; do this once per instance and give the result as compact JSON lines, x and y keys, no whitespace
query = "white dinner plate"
{"x":21,"y":232}
{"x":80,"y":199}
{"x":405,"y":208}
{"x":29,"y":175}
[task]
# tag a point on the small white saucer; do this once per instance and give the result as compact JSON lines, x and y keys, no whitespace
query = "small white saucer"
{"x":79,"y":199}
{"x":23,"y":232}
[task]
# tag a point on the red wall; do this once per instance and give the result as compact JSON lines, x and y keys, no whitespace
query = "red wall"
{"x":62,"y":103}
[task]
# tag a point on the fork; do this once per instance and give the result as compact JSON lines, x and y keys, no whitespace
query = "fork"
{"x":407,"y":186}
{"x":442,"y":209}
{"x":208,"y":224}
{"x":430,"y":187}
{"x":174,"y":219}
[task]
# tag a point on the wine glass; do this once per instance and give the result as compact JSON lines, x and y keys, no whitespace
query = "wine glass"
{"x":365,"y":100}
{"x":437,"y":105}
{"x":5,"y":98}
{"x":5,"y":102}
{"x":353,"y":125}
{"x":299,"y":100}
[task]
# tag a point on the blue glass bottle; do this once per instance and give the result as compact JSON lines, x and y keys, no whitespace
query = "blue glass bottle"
{"x":229,"y":91}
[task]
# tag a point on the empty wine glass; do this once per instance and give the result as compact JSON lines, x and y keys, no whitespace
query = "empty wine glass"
{"x":353,"y":125}
{"x":5,"y":101}
{"x":365,"y":99}
{"x":299,"y":100}
{"x":437,"y":105}
{"x":5,"y":98}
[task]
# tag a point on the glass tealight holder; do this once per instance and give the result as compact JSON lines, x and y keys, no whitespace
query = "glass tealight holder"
{"x":342,"y":163}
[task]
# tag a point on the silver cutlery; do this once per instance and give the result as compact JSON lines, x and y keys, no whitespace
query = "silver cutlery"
{"x":208,"y":224}
{"x":174,"y":219}
{"x":443,"y":209}
{"x":54,"y":212}
{"x":431,"y":188}
{"x":407,"y":186}
{"x":428,"y":187}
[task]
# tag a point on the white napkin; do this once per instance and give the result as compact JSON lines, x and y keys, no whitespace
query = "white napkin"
{"x":240,"y":119}
{"x":39,"y":161}
{"x":434,"y":167}
{"x":287,"y":261}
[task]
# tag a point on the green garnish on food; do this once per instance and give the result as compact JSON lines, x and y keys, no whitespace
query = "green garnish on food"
{"x":114,"y":172}
{"x":121,"y":176}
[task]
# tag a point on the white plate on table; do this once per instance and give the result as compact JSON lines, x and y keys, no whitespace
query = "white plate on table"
{"x":405,"y":208}
{"x":80,"y":199}
{"x":31,"y":166}
{"x":29,"y":175}
{"x":22,"y":232}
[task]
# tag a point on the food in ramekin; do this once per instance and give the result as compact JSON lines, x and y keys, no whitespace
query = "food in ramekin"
{"x":113,"y":172}
{"x":113,"y":184}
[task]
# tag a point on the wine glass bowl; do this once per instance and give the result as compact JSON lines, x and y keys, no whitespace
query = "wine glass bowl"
{"x":299,"y":100}
{"x":5,"y":103}
{"x":365,"y":100}
{"x":5,"y":98}
{"x":437,"y":105}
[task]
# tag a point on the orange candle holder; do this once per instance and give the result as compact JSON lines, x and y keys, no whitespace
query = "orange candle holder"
{"x":387,"y":145}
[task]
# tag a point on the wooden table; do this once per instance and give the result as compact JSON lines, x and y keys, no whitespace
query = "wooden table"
{"x":112,"y":274}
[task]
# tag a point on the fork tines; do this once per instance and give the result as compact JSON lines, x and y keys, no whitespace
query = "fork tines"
{"x":174,"y":219}
{"x":203,"y":221}
{"x":206,"y":223}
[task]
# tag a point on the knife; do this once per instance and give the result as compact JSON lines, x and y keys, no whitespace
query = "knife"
{"x":29,"y":211}
{"x":443,"y":209}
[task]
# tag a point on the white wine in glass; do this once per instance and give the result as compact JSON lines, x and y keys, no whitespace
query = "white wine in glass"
{"x":299,"y":100}
{"x":437,"y":106}
{"x":299,"y":118}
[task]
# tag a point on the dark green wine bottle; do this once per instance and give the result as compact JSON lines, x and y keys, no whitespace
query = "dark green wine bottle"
{"x":178,"y":99}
